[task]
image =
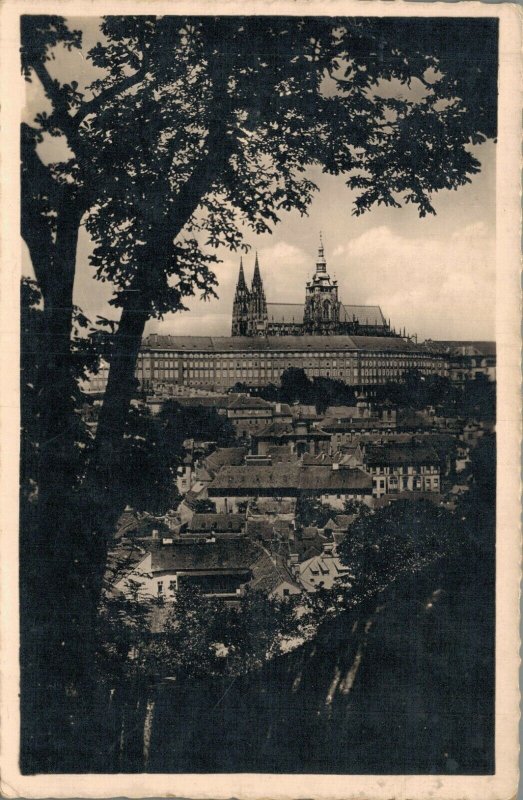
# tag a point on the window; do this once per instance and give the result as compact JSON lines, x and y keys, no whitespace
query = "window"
{"x":160,"y":587}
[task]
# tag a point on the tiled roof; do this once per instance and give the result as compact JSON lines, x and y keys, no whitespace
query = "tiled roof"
{"x":268,"y":575}
{"x":257,"y":477}
{"x":217,"y":522}
{"x":400,"y":454}
{"x":223,"y":456}
{"x":246,"y":401}
{"x":225,"y":554}
{"x":290,"y":477}
{"x":335,"y":480}
{"x":320,"y":344}
{"x":260,"y":529}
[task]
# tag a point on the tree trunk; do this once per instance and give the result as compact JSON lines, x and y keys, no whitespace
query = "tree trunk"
{"x":63,"y":558}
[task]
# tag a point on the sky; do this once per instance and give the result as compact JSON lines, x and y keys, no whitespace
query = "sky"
{"x":434,"y":276}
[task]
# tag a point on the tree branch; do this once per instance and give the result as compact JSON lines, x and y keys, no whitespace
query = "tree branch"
{"x":94,"y":105}
{"x":60,"y":109}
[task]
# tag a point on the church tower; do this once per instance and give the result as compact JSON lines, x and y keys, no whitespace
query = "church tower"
{"x":257,"y":304}
{"x":240,"y":308}
{"x":322,"y":307}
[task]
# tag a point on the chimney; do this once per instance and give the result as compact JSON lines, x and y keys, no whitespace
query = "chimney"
{"x":155,"y":534}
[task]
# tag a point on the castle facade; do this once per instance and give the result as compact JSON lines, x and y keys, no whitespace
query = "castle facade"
{"x":322,"y":313}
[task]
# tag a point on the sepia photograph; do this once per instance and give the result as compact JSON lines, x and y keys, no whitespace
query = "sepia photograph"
{"x":259,"y":320}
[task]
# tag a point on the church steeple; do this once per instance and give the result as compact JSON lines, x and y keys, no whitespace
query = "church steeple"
{"x":240,"y":308}
{"x":257,"y":282}
{"x":258,"y":303}
{"x":241,"y":285}
{"x":321,"y":264}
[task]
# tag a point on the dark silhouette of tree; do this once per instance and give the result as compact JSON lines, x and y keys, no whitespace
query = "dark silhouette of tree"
{"x":400,"y":539}
{"x":198,"y":129}
{"x":295,"y":386}
{"x":310,"y":511}
{"x":204,"y":506}
{"x":200,"y":423}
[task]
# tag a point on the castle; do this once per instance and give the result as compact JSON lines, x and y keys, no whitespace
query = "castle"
{"x":322,"y":314}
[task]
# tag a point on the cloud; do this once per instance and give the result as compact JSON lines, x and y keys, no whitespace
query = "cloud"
{"x":427,"y":284}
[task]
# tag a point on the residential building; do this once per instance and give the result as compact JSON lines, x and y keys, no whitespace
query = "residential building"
{"x":220,"y":568}
{"x":232,"y":486}
{"x":413,"y":467}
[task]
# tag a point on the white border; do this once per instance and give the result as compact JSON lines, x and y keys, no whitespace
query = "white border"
{"x":504,"y":783}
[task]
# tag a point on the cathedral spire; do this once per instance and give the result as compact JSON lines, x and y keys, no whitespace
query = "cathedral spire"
{"x":256,"y":278}
{"x":321,"y":264}
{"x":241,"y":285}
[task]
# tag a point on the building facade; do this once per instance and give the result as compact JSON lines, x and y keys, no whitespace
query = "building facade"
{"x":221,"y":362}
{"x":321,"y":314}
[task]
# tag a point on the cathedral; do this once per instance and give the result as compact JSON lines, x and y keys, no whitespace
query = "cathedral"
{"x":322,"y":313}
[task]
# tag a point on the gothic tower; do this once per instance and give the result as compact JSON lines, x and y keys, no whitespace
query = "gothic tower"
{"x":322,"y":307}
{"x":240,"y":308}
{"x":257,"y":304}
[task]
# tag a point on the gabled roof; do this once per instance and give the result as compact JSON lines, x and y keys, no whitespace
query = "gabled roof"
{"x":238,"y":401}
{"x":268,"y":574}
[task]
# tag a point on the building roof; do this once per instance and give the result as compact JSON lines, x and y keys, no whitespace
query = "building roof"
{"x":466,"y":347}
{"x":214,"y":401}
{"x":273,"y":506}
{"x":320,"y":344}
{"x":365,"y":315}
{"x":325,"y":479}
{"x":239,"y":401}
{"x":217,"y":522}
{"x":292,"y":478}
{"x":332,"y":425}
{"x":288,"y":430}
{"x":398,"y":454}
{"x":322,"y":570}
{"x":280,"y":476}
{"x":293,"y":313}
{"x":222,"y":554}
{"x":289,"y":313}
{"x":225,"y":456}
{"x":260,"y":529}
{"x":268,"y":574}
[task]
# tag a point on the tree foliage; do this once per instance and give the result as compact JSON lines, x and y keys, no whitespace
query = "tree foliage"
{"x":397,"y":540}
